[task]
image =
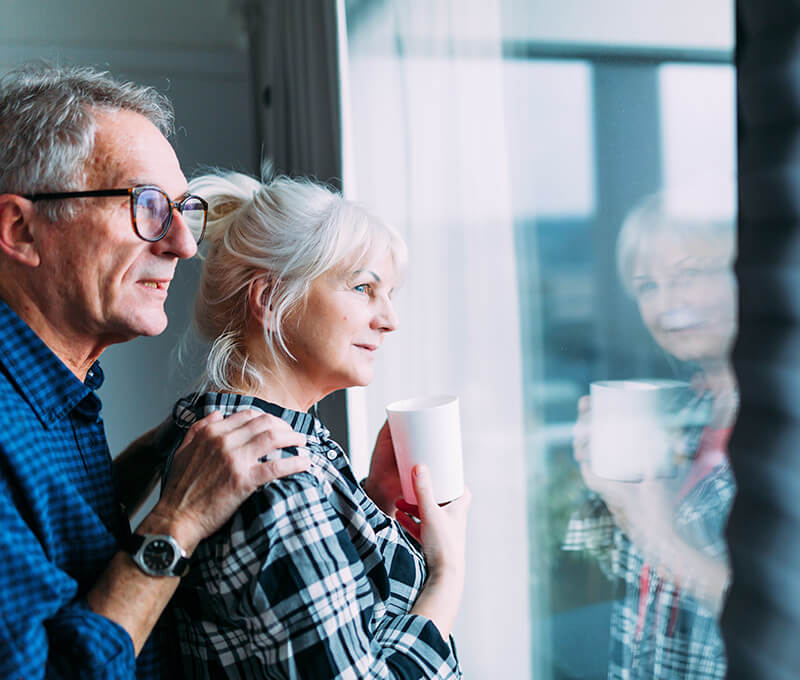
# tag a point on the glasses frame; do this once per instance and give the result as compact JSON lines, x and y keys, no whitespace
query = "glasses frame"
{"x":134,"y":193}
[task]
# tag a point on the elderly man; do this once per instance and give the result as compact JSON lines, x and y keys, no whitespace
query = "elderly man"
{"x":94,"y":216}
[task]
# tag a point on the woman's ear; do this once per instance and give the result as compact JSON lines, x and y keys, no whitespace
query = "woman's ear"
{"x":17,"y":240}
{"x":258,"y":294}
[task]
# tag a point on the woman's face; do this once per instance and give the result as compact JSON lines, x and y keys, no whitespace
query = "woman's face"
{"x":686,"y":292}
{"x":335,"y":336}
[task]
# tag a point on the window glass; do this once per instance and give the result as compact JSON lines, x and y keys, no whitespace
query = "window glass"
{"x":570,"y":212}
{"x":632,"y":301}
{"x":699,"y":128}
{"x":552,"y":155}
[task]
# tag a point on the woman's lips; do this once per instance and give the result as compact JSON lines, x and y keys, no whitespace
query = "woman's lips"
{"x":682,"y":320}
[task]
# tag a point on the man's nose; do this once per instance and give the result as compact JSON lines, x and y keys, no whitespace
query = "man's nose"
{"x":180,"y":240}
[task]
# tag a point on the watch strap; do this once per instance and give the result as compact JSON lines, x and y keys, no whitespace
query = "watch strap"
{"x":132,"y":543}
{"x":181,"y":567}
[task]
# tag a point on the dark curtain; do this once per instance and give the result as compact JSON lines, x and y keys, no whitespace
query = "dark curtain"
{"x":761,"y":619}
{"x":294,"y":71}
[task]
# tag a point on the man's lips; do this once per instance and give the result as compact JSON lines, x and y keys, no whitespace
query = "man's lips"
{"x":155,"y":284}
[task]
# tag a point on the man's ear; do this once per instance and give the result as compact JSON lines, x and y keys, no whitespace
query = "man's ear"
{"x":16,"y":231}
{"x":257,"y":295}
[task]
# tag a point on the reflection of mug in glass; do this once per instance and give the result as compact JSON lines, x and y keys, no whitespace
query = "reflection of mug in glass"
{"x":428,"y":430}
{"x":634,"y":427}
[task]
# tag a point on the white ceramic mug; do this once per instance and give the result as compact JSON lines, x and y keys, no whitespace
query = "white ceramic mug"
{"x":428,"y":430}
{"x":633,"y":427}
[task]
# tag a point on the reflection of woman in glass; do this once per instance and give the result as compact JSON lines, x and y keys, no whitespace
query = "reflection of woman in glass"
{"x":662,"y":539}
{"x":310,"y":578}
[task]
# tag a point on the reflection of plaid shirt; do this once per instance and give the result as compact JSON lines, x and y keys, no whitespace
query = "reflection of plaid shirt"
{"x":309,"y":579}
{"x":676,"y":637}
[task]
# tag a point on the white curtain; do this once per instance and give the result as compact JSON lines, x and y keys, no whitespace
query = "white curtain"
{"x":425,"y":148}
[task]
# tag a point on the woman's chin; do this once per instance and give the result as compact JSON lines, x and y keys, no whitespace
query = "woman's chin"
{"x":363,"y":378}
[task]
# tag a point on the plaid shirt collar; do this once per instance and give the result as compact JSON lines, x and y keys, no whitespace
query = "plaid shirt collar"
{"x":49,"y":387}
{"x":193,"y":407}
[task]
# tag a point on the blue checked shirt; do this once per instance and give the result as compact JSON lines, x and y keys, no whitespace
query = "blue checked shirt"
{"x":58,"y":519}
{"x":308,"y":580}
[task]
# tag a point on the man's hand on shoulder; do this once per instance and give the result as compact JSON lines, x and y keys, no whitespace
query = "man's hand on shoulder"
{"x":218,"y":465}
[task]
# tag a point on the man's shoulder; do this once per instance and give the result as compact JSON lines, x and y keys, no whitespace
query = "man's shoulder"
{"x":12,"y":399}
{"x":19,"y":423}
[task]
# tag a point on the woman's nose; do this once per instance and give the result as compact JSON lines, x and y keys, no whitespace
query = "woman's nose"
{"x":386,"y":319}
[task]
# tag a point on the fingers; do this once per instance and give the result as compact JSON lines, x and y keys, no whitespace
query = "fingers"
{"x":423,"y":488}
{"x":280,"y":467}
{"x":199,"y":425}
{"x":238,"y":444}
{"x":251,"y":433}
{"x":262,"y":430}
{"x":384,"y":439}
{"x":580,"y":431}
{"x":384,"y":432}
{"x":460,"y":504}
{"x":218,"y":466}
{"x":266,"y":433}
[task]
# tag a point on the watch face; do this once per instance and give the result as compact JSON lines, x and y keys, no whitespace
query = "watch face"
{"x":158,"y":554}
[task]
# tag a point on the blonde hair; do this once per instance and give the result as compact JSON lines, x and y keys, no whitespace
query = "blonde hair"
{"x":288,"y":231}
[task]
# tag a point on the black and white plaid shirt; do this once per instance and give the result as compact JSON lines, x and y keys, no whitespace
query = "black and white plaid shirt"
{"x":309,"y":579}
{"x":663,"y":632}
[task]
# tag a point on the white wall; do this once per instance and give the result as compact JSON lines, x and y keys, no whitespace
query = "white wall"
{"x":194,"y":51}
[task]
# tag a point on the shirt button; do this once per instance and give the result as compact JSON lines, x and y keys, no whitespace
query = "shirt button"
{"x":331,"y":454}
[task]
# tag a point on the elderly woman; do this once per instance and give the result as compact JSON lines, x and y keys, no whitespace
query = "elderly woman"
{"x":310,"y":578}
{"x":662,"y":538}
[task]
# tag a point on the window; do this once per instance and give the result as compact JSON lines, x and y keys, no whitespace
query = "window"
{"x":511,"y":159}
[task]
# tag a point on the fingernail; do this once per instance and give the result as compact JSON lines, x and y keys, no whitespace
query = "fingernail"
{"x":419,"y":471}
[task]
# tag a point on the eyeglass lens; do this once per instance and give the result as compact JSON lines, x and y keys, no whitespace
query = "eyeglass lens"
{"x":154,"y":214}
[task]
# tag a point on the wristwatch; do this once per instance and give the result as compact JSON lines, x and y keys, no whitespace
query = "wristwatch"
{"x":157,"y":554}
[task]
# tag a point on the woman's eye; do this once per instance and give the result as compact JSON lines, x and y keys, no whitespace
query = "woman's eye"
{"x":686,"y":275}
{"x":362,"y":288}
{"x":645,"y":287}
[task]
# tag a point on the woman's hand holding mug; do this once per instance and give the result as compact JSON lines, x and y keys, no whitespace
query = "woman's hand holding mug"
{"x":441,"y":531}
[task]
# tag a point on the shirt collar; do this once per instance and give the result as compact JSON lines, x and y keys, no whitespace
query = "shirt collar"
{"x":194,"y":407}
{"x":45,"y":382}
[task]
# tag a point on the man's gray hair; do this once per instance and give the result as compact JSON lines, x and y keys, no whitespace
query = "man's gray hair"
{"x":47,"y":126}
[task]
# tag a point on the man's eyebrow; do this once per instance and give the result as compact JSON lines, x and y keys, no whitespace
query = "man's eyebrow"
{"x":139,"y":182}
{"x":369,"y":271}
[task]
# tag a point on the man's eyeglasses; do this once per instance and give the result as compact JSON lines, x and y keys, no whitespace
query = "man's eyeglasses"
{"x":151,"y":209}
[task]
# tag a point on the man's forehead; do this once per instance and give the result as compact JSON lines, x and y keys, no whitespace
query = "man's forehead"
{"x":128,"y":150}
